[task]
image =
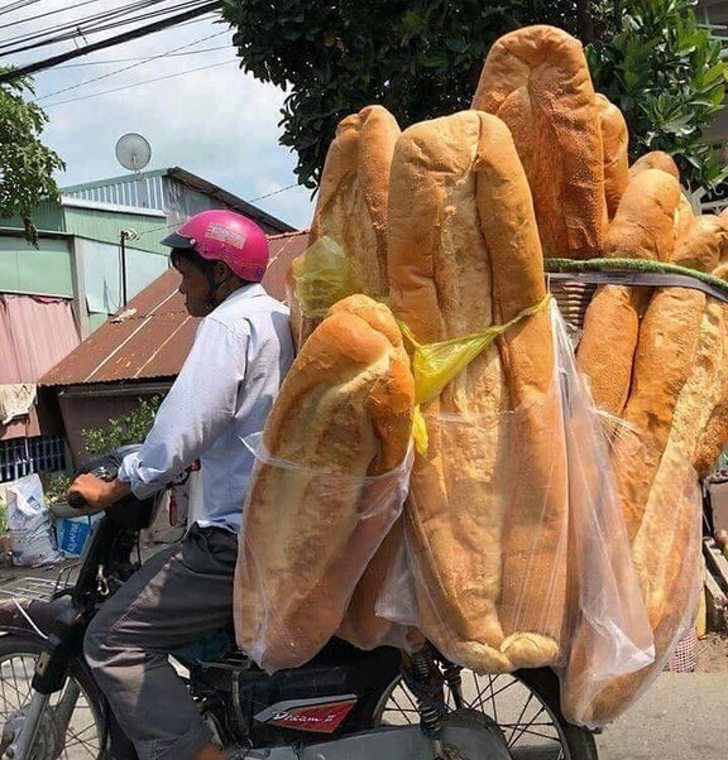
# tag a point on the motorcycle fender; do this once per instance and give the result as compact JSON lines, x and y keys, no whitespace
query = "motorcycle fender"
{"x":25,"y":617}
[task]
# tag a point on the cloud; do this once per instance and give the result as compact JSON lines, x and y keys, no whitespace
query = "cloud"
{"x":218,"y":123}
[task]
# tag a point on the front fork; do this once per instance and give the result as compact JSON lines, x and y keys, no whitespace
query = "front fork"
{"x":426,"y":680}
{"x":22,"y":730}
{"x":20,"y":740}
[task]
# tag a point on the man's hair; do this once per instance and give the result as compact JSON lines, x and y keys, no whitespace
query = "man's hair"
{"x":204,"y":265}
{"x":194,"y":258}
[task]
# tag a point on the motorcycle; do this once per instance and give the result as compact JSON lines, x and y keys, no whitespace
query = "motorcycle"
{"x":345,"y":704}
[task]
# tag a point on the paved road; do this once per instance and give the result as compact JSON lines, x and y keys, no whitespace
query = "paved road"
{"x":682,"y":717}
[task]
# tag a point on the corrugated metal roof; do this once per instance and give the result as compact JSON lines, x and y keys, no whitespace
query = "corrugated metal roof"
{"x":153,"y":335}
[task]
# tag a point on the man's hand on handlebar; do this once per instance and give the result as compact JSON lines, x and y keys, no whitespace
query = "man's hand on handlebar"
{"x":89,"y":493}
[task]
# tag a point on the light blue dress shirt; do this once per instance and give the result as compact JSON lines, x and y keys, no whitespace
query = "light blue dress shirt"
{"x":223,"y":393}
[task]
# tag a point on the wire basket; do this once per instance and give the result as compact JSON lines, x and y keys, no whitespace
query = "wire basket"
{"x":685,"y":656}
{"x":572,"y":297}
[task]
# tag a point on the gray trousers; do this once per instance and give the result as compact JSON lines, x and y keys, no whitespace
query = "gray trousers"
{"x":175,"y":599}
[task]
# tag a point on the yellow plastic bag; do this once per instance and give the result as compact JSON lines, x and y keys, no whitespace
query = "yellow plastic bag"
{"x":434,"y":365}
{"x":322,"y":276}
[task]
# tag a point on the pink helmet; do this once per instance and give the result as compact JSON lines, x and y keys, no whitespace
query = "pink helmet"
{"x":223,"y":235}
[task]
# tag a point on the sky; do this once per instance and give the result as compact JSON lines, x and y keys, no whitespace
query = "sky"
{"x":218,"y":123}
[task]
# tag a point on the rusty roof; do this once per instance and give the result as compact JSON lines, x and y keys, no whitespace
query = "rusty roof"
{"x":151,"y":337}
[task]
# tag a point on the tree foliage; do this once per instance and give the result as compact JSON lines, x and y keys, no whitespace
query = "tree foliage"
{"x":422,"y":58}
{"x":667,"y":76}
{"x":125,"y":429}
{"x":26,"y":165}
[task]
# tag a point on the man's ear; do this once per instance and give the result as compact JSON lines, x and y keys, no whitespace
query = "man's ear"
{"x":221,"y":272}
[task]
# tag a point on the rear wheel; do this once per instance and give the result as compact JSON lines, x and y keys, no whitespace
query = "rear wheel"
{"x":80,"y":737}
{"x":525,"y":706}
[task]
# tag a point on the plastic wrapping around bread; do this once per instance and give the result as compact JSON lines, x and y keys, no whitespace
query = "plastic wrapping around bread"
{"x":676,"y":385}
{"x":579,"y":539}
{"x":312,"y":522}
{"x":668,"y":565}
{"x":378,"y":501}
{"x":321,"y":276}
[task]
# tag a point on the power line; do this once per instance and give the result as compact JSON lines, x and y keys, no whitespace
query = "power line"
{"x":43,"y":15}
{"x":127,"y":68}
{"x":16,"y":5}
{"x":275,"y":192}
{"x":125,"y":60}
{"x":74,"y":28}
{"x":136,"y":84}
{"x":134,"y":34}
{"x":111,"y":19}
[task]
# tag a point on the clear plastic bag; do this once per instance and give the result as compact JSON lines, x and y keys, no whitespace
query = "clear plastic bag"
{"x":670,"y":574}
{"x":500,"y":580}
{"x":290,"y":601}
{"x":611,"y":634}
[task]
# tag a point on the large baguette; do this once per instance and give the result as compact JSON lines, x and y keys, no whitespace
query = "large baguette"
{"x":703,"y":244}
{"x":352,"y":203}
{"x":460,"y":206}
{"x":715,"y":434}
{"x":666,"y":350}
{"x":351,"y":209}
{"x":655,"y":159}
{"x":615,"y":140}
{"x":642,"y":228}
{"x":537,"y":80}
{"x":344,"y":408}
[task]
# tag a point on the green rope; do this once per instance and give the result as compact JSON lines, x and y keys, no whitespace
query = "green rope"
{"x":567,"y":266}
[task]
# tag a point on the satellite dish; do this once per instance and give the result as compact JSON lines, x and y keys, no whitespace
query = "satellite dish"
{"x":133,"y":151}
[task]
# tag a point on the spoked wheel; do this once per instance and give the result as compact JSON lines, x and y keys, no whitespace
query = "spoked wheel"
{"x":72,"y":728}
{"x":525,"y":705}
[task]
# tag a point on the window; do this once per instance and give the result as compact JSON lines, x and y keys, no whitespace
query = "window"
{"x":24,"y":456}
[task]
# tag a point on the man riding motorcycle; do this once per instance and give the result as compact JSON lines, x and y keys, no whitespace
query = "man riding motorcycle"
{"x":223,"y":393}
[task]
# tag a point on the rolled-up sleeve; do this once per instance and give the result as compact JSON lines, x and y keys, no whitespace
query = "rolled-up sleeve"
{"x":197,"y":409}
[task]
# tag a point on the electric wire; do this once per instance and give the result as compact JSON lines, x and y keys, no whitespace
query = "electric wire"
{"x":143,"y":31}
{"x":135,"y":84}
{"x":129,"y":67}
{"x":109,"y":61}
{"x":112,"y":19}
{"x":44,"y":15}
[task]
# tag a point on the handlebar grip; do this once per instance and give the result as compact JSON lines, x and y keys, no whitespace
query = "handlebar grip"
{"x":76,"y":501}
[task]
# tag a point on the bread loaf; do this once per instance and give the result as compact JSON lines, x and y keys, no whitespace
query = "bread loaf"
{"x":642,"y":228}
{"x":644,"y":225}
{"x":685,"y":218}
{"x":615,"y":141}
{"x":655,"y":159}
{"x":352,"y":203}
{"x":715,"y":434}
{"x":666,"y":352}
{"x":537,"y":80}
{"x":606,"y":349}
{"x":703,"y":244}
{"x":665,"y":547}
{"x":345,"y":408}
{"x":459,"y":209}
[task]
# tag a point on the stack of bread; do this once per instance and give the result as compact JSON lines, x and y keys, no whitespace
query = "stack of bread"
{"x":487,"y":508}
{"x":330,"y":478}
{"x":450,"y":222}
